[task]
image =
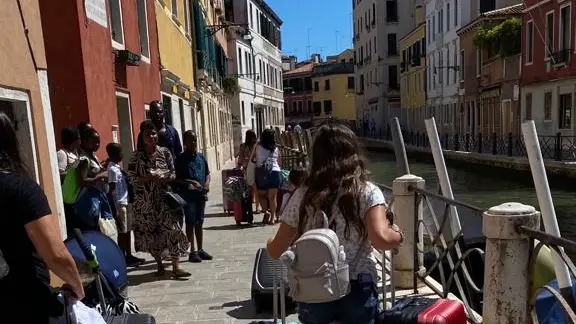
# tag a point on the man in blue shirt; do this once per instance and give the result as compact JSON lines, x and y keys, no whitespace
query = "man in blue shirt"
{"x":170,"y":138}
{"x":193,"y":184}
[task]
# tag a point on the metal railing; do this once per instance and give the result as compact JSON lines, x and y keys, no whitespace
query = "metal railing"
{"x":558,"y":245}
{"x":558,"y":147}
{"x":452,"y":264}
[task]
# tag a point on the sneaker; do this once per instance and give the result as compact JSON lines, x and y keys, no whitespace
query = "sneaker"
{"x":204,"y":255}
{"x":194,"y":257}
{"x":133,"y":261}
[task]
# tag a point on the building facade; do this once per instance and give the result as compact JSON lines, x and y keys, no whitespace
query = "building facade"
{"x":378,"y":25}
{"x":108,"y":70}
{"x":25,"y":98}
{"x":491,"y":75}
{"x":213,"y":114}
{"x":178,"y":90}
{"x":298,"y":94}
{"x":333,"y":89}
{"x":413,"y":74}
{"x":443,"y":52}
{"x":256,"y":60}
{"x":548,"y":82}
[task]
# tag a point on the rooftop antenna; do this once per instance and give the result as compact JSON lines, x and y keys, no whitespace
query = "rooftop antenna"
{"x":308,"y":43}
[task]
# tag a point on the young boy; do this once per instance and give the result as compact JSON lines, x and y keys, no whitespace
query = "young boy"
{"x":193,"y":177}
{"x":119,"y":194}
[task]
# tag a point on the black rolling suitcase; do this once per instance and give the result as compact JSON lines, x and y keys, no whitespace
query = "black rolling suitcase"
{"x":266,"y":270}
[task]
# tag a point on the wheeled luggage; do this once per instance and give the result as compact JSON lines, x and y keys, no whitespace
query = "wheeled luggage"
{"x":243,"y":212}
{"x":422,"y":310}
{"x":267,"y":272}
{"x":229,"y":204}
{"x":130,"y":319}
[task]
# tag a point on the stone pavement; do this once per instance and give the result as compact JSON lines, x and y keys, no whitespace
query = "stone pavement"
{"x":219,"y":290}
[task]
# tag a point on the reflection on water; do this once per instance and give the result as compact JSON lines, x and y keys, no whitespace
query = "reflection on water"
{"x":483,"y":187}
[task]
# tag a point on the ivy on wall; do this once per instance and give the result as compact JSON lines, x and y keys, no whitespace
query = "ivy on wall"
{"x":503,"y":38}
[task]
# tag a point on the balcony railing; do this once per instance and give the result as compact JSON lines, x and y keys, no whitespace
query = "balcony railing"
{"x":500,"y":69}
{"x":561,"y":57}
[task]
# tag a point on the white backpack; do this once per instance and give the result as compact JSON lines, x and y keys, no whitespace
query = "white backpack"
{"x":317,"y":267}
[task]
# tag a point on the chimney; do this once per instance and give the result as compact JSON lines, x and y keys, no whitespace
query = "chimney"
{"x":315,"y":58}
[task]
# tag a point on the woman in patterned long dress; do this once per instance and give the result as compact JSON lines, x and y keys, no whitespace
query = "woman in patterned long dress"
{"x":155,"y":228}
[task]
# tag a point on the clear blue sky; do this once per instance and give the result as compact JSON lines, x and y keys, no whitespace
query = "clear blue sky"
{"x":329,"y":23}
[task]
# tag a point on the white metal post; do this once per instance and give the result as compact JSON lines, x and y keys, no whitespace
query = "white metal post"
{"x":544,"y":198}
{"x":443,"y":178}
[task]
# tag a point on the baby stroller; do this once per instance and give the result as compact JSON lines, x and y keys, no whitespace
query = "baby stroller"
{"x":107,"y":292}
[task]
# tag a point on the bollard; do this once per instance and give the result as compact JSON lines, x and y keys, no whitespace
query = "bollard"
{"x":404,"y":216}
{"x":506,"y":273}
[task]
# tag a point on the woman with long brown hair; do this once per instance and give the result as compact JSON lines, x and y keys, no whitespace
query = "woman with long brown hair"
{"x":338,"y":185}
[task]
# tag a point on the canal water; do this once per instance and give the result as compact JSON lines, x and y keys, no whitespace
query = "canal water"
{"x":483,"y":187}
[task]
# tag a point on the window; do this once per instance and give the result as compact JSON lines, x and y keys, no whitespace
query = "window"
{"x":565,"y":111}
{"x":182,"y":115}
{"x":392,"y":48}
{"x":548,"y":105}
{"x":317,"y":108}
{"x":392,"y":11}
{"x":487,"y":5}
{"x":174,"y":8}
{"x":429,"y":23}
{"x":528,"y":115}
{"x":373,"y":13}
{"x":455,"y":13}
{"x":462,"y":65}
{"x":549,"y":34}
{"x":448,"y":63}
{"x":251,"y":15}
{"x":309,"y":107}
{"x":478,"y":61}
{"x":327,"y":84}
{"x":116,"y":28}
{"x":143,"y":28}
{"x":374,"y":44}
{"x":393,"y":77}
{"x":316,"y":86}
{"x":440,"y":21}
{"x":239,"y":61}
{"x":300,"y":109}
{"x":448,"y":16}
{"x":327,"y":107}
{"x":529,"y":42}
{"x":186,"y":16}
{"x":433,"y":28}
{"x":564,"y":36}
{"x":167,"y":105}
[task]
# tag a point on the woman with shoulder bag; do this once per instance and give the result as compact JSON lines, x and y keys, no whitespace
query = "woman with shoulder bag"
{"x":246,"y":162}
{"x":150,"y":170}
{"x":268,"y":174}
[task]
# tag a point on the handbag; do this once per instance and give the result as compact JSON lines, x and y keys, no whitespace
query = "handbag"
{"x":262,"y":172}
{"x":250,"y":174}
{"x":70,"y":187}
{"x":175,"y":201}
{"x":108,"y":227}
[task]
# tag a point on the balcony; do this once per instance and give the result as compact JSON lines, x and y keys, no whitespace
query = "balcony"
{"x":561,"y":57}
{"x":500,"y":69}
{"x":416,"y":61}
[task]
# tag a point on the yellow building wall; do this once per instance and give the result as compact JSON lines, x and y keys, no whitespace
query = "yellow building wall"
{"x":343,"y":99}
{"x":412,"y":80}
{"x":175,"y":48}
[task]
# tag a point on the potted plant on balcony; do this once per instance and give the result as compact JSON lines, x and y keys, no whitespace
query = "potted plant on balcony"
{"x":230,"y":85}
{"x":503,"y":38}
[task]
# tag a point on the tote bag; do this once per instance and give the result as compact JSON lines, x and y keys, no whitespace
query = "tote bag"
{"x":70,"y":187}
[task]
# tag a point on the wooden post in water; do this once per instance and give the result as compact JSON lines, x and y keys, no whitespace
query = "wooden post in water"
{"x":506,"y":273}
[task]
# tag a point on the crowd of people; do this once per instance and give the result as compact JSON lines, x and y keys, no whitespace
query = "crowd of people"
{"x":164,"y":184}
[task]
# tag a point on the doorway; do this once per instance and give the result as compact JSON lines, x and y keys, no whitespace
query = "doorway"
{"x":125,"y":122}
{"x":18,"y":112}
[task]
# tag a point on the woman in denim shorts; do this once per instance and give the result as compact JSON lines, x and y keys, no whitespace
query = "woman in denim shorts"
{"x":338,"y":185}
{"x":268,"y":176}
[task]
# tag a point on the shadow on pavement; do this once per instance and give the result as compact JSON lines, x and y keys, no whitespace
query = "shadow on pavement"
{"x":231,"y":227}
{"x":138,"y":279}
{"x":245,"y":310}
{"x":222,"y":214}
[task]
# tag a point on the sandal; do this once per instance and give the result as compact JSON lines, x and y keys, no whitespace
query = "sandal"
{"x":266,"y":218}
{"x":180,"y":274}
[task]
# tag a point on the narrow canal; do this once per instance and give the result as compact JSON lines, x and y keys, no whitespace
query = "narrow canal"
{"x":484,"y":187}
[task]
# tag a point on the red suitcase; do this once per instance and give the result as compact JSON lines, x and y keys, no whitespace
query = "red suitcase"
{"x":424,"y":310}
{"x":229,"y":204}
